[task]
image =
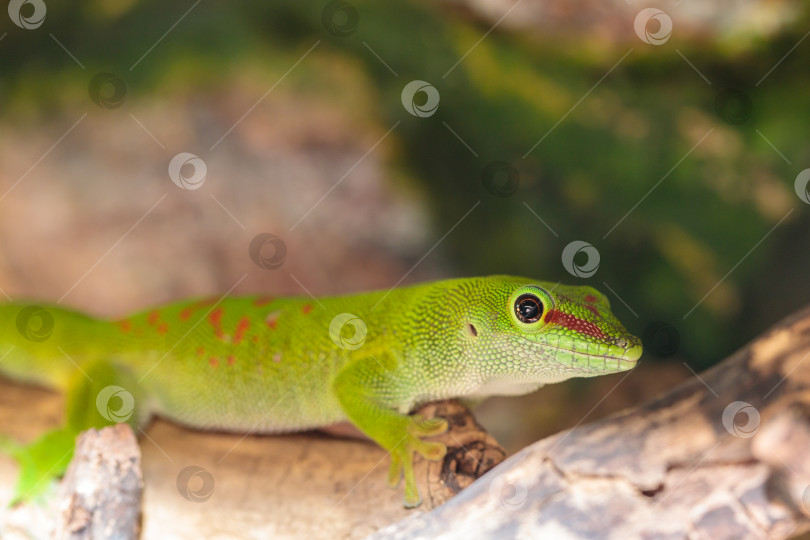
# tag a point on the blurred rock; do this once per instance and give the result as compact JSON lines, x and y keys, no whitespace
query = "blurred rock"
{"x":75,"y":221}
{"x":613,"y":21}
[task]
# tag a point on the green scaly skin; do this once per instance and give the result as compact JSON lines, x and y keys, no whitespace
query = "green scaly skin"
{"x":264,"y":365}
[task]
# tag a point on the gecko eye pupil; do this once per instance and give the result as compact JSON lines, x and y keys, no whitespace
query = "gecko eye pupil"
{"x":528,"y":308}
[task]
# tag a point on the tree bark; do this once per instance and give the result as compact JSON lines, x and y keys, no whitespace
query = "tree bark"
{"x":100,"y":496}
{"x":725,"y":455}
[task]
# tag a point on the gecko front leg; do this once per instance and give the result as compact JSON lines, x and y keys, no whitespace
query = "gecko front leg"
{"x":361,"y":389}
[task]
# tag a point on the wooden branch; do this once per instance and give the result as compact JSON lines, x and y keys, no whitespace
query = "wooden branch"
{"x":305,"y":485}
{"x":723,"y":456}
{"x":100,"y":496}
{"x":471,"y":452}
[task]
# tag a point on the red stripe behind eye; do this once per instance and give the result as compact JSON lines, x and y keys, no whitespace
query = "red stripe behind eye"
{"x":576,"y":324}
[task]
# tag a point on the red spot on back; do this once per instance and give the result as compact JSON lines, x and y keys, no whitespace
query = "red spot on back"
{"x":241,"y":327}
{"x":125,"y":325}
{"x":576,"y":324}
{"x":200,"y":351}
{"x":231,"y":360}
{"x":263,"y":300}
{"x":216,"y":321}
{"x":272,"y":319}
{"x":153,"y":316}
{"x":590,"y":298}
{"x":306,"y":309}
{"x":214,"y":361}
{"x":162,"y":328}
{"x":186,"y":313}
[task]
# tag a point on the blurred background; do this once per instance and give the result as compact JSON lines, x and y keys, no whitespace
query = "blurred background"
{"x":669,"y":137}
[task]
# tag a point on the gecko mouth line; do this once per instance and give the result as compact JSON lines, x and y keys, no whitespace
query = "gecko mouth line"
{"x":632,"y":354}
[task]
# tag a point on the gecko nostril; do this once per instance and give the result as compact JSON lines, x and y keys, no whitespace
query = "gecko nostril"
{"x":472,"y":330}
{"x":621,"y":342}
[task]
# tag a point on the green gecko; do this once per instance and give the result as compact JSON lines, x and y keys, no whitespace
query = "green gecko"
{"x":260,"y":364}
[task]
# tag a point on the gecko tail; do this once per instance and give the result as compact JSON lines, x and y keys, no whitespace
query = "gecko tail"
{"x":45,"y":344}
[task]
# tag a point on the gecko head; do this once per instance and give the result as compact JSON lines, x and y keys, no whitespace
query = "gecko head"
{"x":573,"y":329}
{"x":556,"y":332}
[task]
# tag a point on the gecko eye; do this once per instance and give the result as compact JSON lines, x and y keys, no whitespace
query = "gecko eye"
{"x":528,"y":308}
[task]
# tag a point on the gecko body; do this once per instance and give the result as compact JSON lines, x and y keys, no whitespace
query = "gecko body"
{"x":262,"y":364}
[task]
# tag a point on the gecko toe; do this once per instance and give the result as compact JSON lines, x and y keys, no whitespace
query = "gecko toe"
{"x":428,"y":427}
